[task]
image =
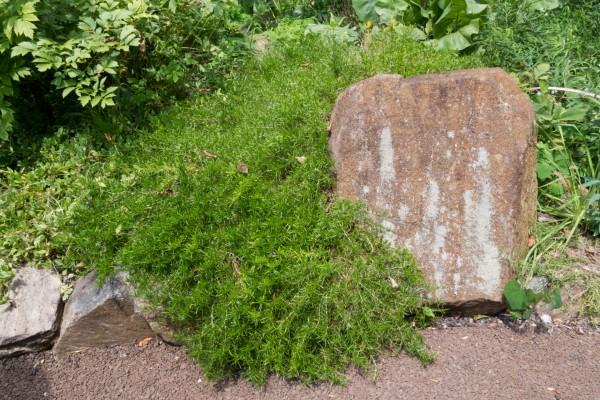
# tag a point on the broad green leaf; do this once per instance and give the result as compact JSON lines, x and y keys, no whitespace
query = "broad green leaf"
{"x":541,"y":69}
{"x":8,"y":27}
{"x":544,"y":170}
{"x":527,"y":313}
{"x":575,"y":113}
{"x":20,"y":73}
{"x":5,"y":275}
{"x":43,"y":66}
{"x":453,"y":15}
{"x":592,"y":182}
{"x":475,"y":8}
{"x":29,"y":7}
{"x":533,"y":297}
{"x":453,"y":41}
{"x":472,"y":28}
{"x":555,"y":188}
{"x":555,"y":299}
{"x":87,"y":24}
{"x":390,"y":9}
{"x":365,"y":10}
{"x":24,"y":28}
{"x":95,"y":101}
{"x":107,"y":101}
{"x":30,"y":18}
{"x":67,"y":90}
{"x":22,"y":49}
{"x":84,"y":100}
{"x":515,"y":296}
{"x":543,"y":5}
{"x":425,"y":11}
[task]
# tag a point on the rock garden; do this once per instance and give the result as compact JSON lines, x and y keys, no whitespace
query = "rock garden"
{"x":333,"y":200}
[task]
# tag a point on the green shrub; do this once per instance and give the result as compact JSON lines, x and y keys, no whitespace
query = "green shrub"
{"x":37,"y":205}
{"x":449,"y":24}
{"x":223,"y":214}
{"x":140,"y":52}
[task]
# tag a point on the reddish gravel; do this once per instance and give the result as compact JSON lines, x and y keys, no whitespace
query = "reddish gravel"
{"x":483,"y":362}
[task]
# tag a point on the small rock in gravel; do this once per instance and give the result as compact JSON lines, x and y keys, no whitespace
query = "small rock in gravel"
{"x":538,"y":284}
{"x":30,"y":319}
{"x":546,"y":322}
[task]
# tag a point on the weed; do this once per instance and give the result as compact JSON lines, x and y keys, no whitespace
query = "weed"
{"x":520,"y":300}
{"x":37,"y":205}
{"x":553,"y":49}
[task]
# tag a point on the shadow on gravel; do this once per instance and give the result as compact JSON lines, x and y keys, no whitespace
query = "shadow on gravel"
{"x":23,"y":378}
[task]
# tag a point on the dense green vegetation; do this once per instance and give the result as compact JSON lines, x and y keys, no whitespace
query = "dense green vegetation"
{"x":558,"y":48}
{"x":209,"y":178}
{"x":217,"y":218}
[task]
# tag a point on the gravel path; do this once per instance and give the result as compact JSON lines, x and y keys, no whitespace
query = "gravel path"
{"x":482,"y":362}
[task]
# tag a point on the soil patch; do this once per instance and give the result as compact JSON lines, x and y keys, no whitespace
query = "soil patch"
{"x":485,"y":361}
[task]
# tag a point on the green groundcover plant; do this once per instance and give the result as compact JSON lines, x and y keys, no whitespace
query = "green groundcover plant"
{"x":223,"y":215}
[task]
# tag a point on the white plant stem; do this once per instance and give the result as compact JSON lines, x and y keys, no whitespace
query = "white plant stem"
{"x":555,"y":89}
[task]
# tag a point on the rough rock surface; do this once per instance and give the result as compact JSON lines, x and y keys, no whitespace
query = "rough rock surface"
{"x":446,"y":163}
{"x":156,"y":320}
{"x":31,"y":317}
{"x":101,"y":316}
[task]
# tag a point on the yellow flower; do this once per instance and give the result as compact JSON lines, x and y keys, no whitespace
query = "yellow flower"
{"x":369,"y":24}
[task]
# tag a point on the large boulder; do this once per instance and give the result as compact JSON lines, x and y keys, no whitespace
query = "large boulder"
{"x":31,"y":317}
{"x":446,"y":163}
{"x":97,"y":316}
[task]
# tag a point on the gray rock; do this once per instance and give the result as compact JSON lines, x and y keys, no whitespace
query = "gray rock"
{"x":546,"y":320}
{"x":156,"y":320}
{"x":31,"y":317}
{"x":97,"y":316}
{"x":538,"y":284}
{"x":260,"y":43}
